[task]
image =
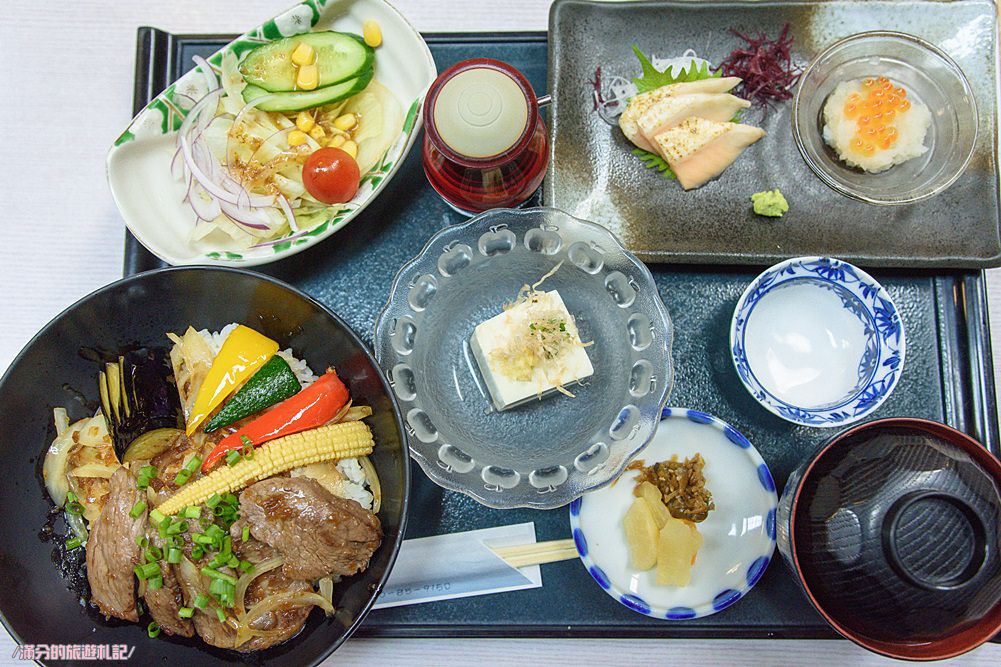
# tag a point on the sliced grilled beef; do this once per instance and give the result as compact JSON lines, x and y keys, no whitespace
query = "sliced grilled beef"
{"x":112,"y":551}
{"x":283,"y":622}
{"x":164,"y":602}
{"x":317,"y":533}
{"x":206,"y":623}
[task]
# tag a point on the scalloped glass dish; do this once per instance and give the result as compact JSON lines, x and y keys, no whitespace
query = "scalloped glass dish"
{"x":548,"y":452}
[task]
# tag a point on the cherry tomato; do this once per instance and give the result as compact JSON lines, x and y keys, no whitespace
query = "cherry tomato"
{"x":331,"y":175}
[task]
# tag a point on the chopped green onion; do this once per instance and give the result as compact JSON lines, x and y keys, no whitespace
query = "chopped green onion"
{"x":201,"y":538}
{"x":147,"y":571}
{"x":148,"y":471}
{"x":218,"y":561}
{"x":153,"y":629}
{"x":73,"y":543}
{"x":246,"y":566}
{"x":154,"y":583}
{"x":153,"y":554}
{"x":174,"y":555}
{"x":192,"y":465}
{"x":246,"y":533}
{"x":215,"y":532}
{"x":233,"y":561}
{"x":233,"y":457}
{"x":247,"y":451}
{"x":230,"y":499}
{"x":227,"y":545}
{"x":197,"y":551}
{"x":216,"y":574}
{"x":182,"y":478}
{"x":213,"y":500}
{"x":137,"y":509}
{"x":70,"y":497}
{"x":74,"y":508}
{"x":202,"y":601}
{"x":220,"y":614}
{"x":246,"y":441}
{"x":175,"y":541}
{"x":192,"y":512}
{"x":177,"y":527}
{"x":156,"y":517}
{"x":142,"y":541}
{"x":186,"y":612}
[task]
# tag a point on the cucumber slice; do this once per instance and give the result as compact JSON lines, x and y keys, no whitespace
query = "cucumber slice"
{"x":308,"y":99}
{"x":340,"y":56}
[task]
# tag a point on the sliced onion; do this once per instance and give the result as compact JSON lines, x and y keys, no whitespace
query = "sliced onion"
{"x":244,"y":581}
{"x":273,"y":602}
{"x":327,"y":591}
{"x":94,"y":470}
{"x":287,"y":210}
{"x":205,"y":209}
{"x":211,"y":82}
{"x":248,"y":217}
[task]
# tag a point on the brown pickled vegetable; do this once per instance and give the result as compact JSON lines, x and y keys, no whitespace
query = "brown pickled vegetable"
{"x":682,"y":486}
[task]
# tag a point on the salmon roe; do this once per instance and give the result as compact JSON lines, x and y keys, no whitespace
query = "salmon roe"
{"x":874,"y":111}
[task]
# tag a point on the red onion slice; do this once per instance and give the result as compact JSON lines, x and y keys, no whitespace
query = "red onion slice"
{"x":207,"y":73}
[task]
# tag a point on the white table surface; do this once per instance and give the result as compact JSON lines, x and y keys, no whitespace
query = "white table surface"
{"x":66,"y":83}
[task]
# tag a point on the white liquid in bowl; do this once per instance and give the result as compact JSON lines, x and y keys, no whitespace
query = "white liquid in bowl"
{"x":804,"y":346}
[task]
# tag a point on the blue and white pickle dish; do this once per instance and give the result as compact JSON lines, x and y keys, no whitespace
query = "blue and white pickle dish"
{"x":547,"y":452}
{"x":817,"y":341}
{"x":738,"y":535}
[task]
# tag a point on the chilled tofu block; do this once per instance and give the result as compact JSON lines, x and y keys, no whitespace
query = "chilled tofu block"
{"x":529,"y":350}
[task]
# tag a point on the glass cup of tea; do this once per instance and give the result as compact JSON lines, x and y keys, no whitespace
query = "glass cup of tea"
{"x":485,"y":143}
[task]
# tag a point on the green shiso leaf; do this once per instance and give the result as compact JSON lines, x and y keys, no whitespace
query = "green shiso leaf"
{"x":652,"y":79}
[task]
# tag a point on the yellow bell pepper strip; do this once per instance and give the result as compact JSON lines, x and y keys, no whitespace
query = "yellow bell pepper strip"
{"x":244,"y":351}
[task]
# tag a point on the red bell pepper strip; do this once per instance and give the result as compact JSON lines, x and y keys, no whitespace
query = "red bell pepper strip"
{"x":314,"y":406}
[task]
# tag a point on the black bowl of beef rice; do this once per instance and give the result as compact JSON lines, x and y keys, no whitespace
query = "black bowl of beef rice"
{"x":44,"y":599}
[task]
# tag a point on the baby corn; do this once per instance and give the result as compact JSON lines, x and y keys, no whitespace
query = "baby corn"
{"x":335,"y":441}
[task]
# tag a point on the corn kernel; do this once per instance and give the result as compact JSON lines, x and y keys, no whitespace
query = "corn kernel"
{"x":372,"y":33}
{"x":303,"y":55}
{"x":317,"y":133}
{"x":304,"y":121}
{"x":345,"y":122}
{"x":350,"y":147}
{"x":296,"y":138}
{"x":337,"y":141}
{"x":308,"y":77}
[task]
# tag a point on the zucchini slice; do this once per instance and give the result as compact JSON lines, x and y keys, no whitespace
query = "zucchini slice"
{"x":340,"y":56}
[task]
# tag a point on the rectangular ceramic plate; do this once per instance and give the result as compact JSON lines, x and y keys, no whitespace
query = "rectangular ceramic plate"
{"x":593,"y":175}
{"x":948,"y":378}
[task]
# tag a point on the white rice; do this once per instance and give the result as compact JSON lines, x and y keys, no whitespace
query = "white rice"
{"x":355,"y":487}
{"x":302,"y":371}
{"x":912,"y":126}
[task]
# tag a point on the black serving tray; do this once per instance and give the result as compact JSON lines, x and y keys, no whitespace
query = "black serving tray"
{"x":948,"y":376}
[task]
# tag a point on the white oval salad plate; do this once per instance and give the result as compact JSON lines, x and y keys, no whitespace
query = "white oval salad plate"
{"x":187,"y":206}
{"x":738,"y":535}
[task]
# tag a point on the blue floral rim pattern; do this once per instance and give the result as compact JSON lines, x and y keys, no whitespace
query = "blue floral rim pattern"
{"x":723,"y":598}
{"x":882,"y":363}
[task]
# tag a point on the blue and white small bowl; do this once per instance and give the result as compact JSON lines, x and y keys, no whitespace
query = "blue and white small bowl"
{"x":817,"y":341}
{"x":738,"y":536}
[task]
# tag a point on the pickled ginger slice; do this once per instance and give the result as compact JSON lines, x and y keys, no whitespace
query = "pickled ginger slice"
{"x":672,"y":110}
{"x":639,"y":104}
{"x":699,"y":150}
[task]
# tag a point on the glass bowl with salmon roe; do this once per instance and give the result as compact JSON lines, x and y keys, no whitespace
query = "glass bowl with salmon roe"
{"x":900,"y":72}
